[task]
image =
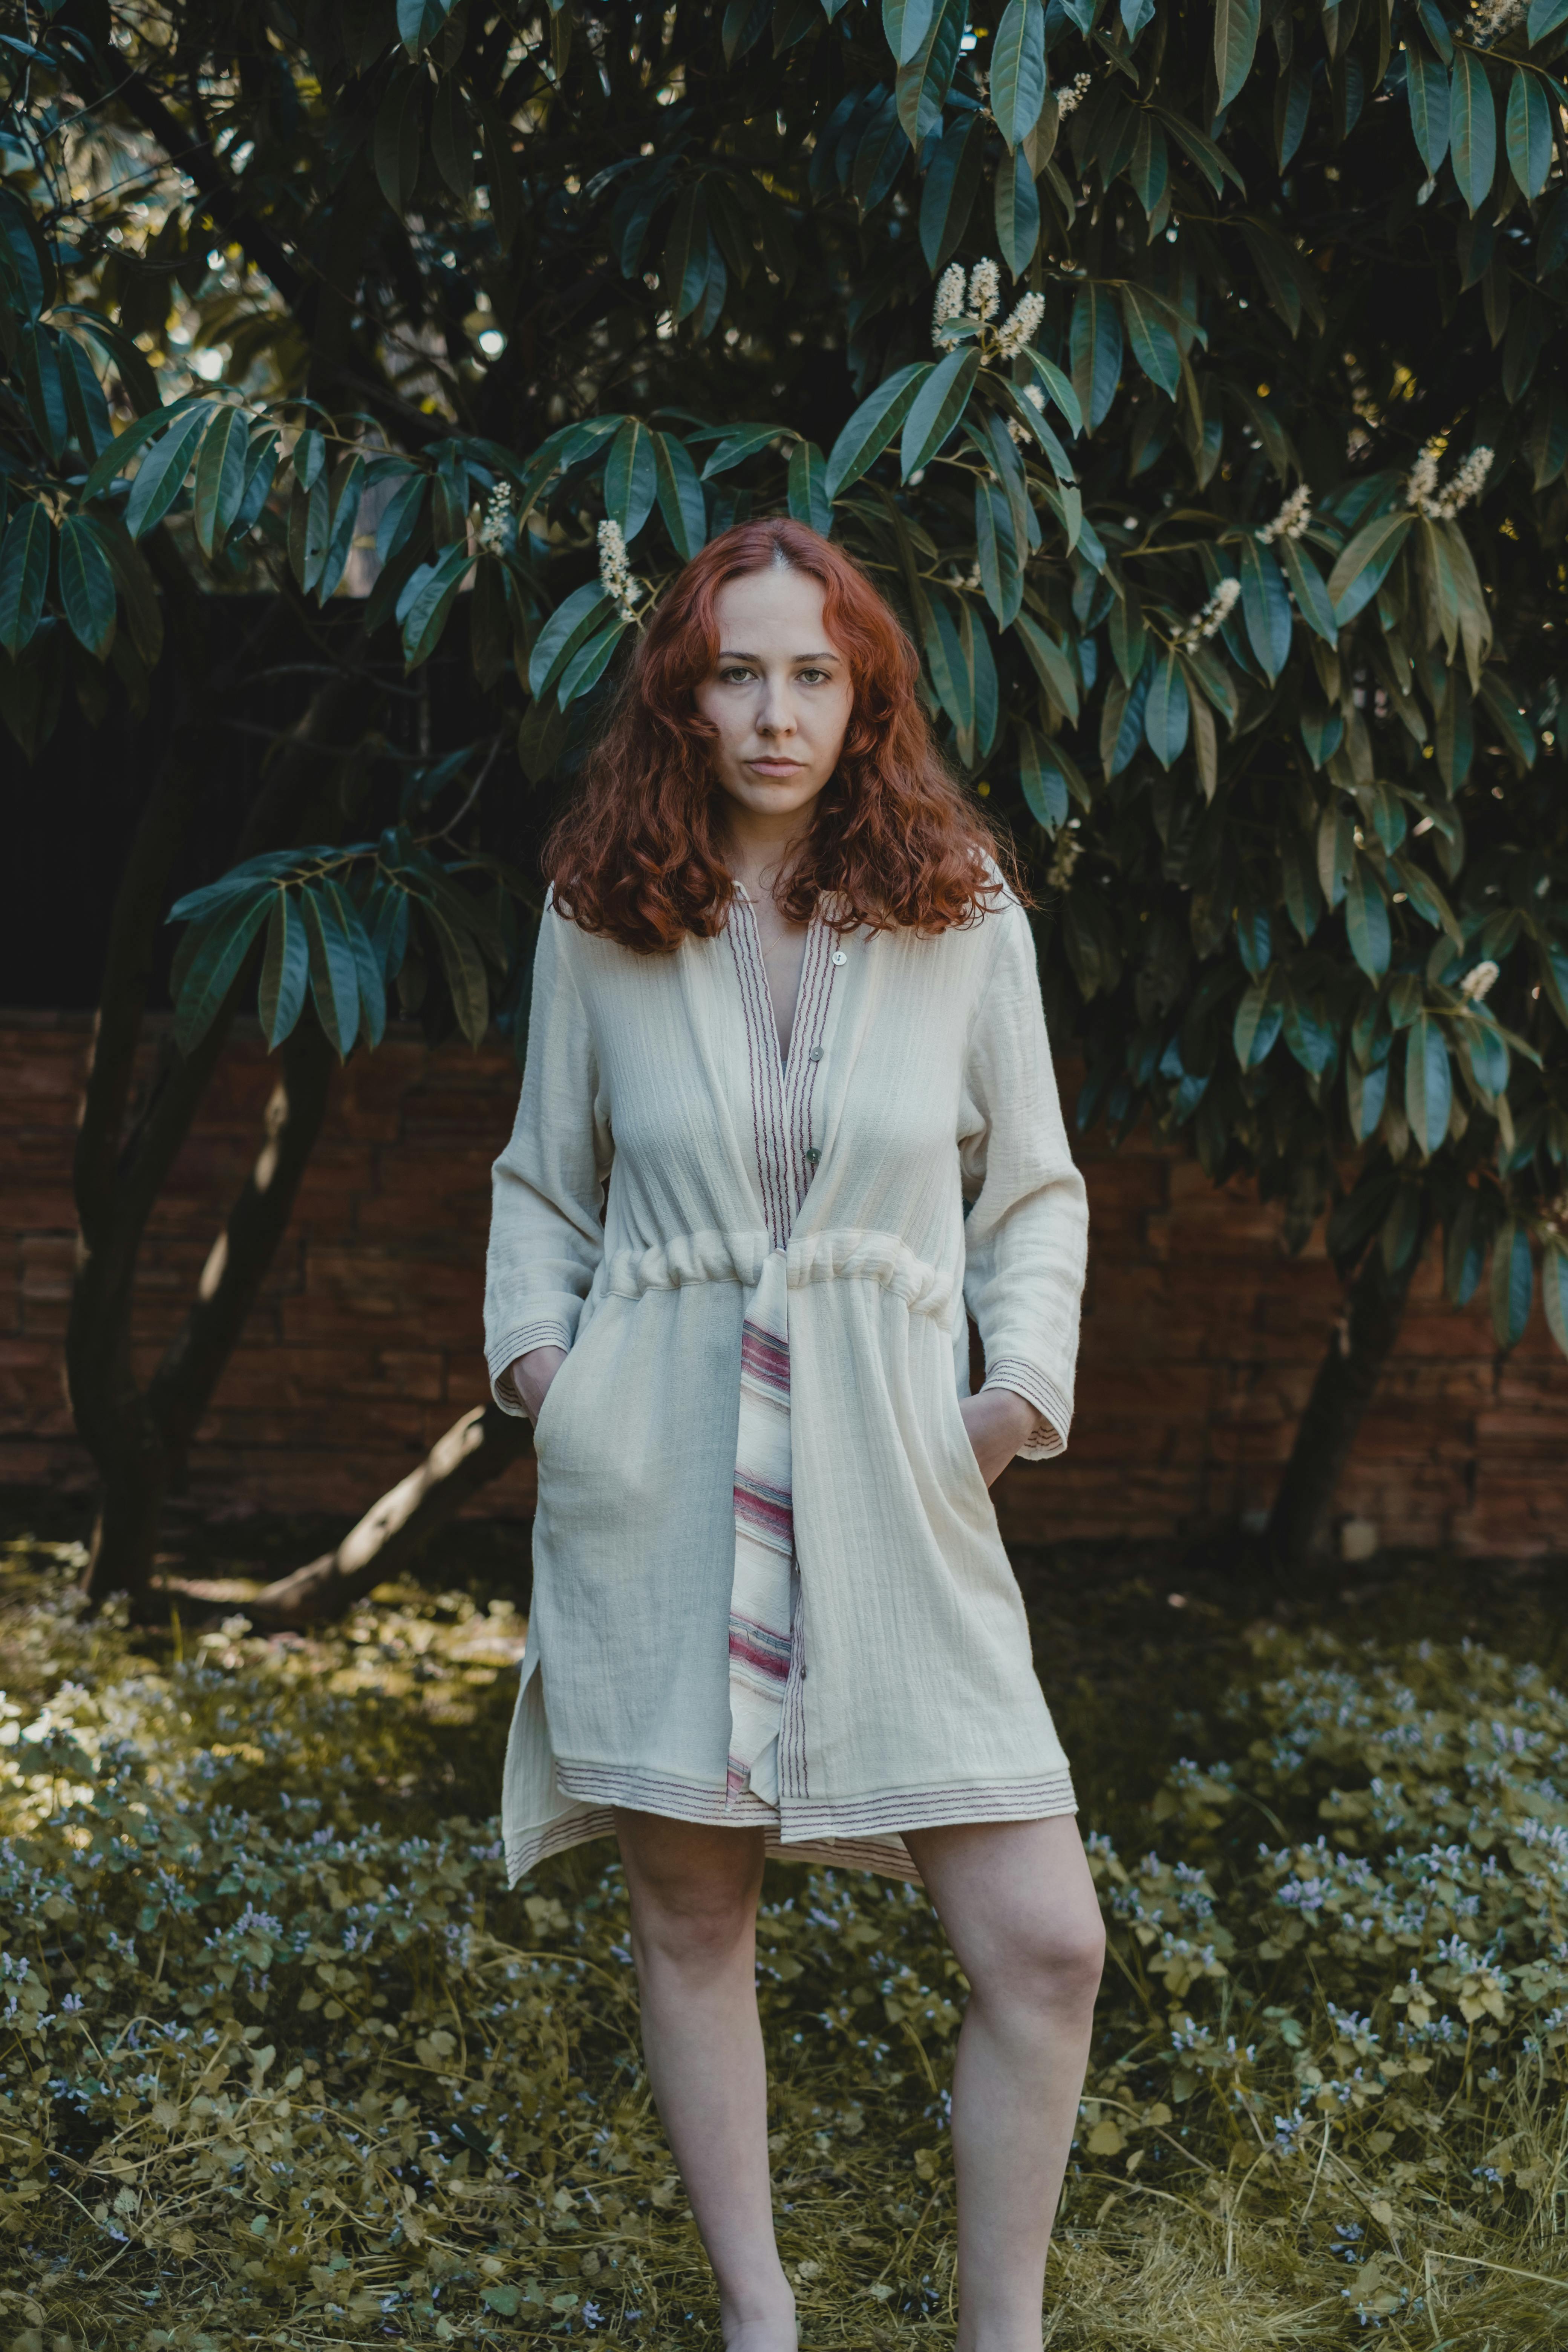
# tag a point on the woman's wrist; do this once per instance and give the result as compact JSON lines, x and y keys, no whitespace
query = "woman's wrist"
{"x":531,"y":1375}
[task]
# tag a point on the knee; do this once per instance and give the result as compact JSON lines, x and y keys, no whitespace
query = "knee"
{"x":693,"y":1923}
{"x":1050,"y":1965}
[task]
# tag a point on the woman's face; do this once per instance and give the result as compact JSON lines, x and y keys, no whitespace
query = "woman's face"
{"x":778,"y":697}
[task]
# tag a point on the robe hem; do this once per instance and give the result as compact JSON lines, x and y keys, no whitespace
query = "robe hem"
{"x":861,"y":1834}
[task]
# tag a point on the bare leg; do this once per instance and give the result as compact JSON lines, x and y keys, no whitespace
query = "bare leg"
{"x":694,"y":1915}
{"x":1019,"y":1907}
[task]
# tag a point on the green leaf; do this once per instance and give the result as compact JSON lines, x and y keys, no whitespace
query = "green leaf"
{"x":1362,"y":566}
{"x":1366,"y":919}
{"x":1166,"y":711}
{"x":220,"y":478}
{"x":569,"y":628}
{"x":1425,"y":896}
{"x":1034,"y":424}
{"x":922,"y":82}
{"x":808,"y":499}
{"x":161,"y":476}
{"x":118,"y":456}
{"x":1429,"y":1085}
{"x":348,"y":489}
{"x":949,"y":670}
{"x":1513,"y":1282}
{"x":1366,"y":1092}
{"x":1472,"y":128}
{"x":688,"y":253}
{"x":395,"y":139}
{"x":936,"y":408}
{"x":589,"y":663}
{"x":906,"y":24}
{"x":1257,"y":1021}
{"x":1488,"y":1049}
{"x":1041,"y":780}
{"x":426,"y":601}
{"x":1554,"y":1267}
{"x":1235,"y":23}
{"x":1426,"y":89}
{"x":631,"y":477}
{"x":1529,"y":130}
{"x":1544,"y":17}
{"x":1154,"y":345}
{"x":211,"y":970}
{"x":367,"y":966}
{"x":85,"y":404}
{"x":1266,"y":607}
{"x":1051,"y":665}
{"x":334,"y":974}
{"x":87,"y":586}
{"x":680,"y":500}
{"x":1503,"y":708}
{"x":1058,"y":388}
{"x":1095,"y":342}
{"x":24,"y":575}
{"x":737,"y":445}
{"x":952,"y":179}
{"x":1311,"y":595}
{"x":1017,"y":211}
{"x":1001,"y":573}
{"x":464,"y":970}
{"x":1018,"y":70}
{"x":285,"y":970}
{"x":419,"y":21}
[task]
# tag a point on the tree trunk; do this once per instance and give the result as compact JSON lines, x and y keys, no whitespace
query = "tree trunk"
{"x":124,"y":1151}
{"x":1349,"y":1374}
{"x":392,"y":1533}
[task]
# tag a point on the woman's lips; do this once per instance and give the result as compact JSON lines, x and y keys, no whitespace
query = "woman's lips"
{"x":776,"y":767}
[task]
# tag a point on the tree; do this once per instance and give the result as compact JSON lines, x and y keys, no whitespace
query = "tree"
{"x":1212,"y":503}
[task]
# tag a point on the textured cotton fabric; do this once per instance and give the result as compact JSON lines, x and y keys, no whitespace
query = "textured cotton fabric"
{"x":669,"y":1172}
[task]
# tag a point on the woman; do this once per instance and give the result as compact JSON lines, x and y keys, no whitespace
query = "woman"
{"x":786,"y":1022}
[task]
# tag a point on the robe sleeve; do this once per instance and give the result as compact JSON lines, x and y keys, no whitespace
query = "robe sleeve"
{"x":546,"y":1235}
{"x":1027,"y":1233}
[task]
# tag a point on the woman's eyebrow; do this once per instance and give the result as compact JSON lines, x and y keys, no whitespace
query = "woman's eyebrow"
{"x":828,"y":656}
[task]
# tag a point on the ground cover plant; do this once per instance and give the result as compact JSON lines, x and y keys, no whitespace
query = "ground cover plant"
{"x":284,"y":2064}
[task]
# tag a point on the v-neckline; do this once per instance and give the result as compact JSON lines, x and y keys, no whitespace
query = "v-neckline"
{"x":743,"y":899}
{"x":781,"y":1085}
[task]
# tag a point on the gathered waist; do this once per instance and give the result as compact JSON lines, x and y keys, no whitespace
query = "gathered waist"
{"x":838,"y":1253}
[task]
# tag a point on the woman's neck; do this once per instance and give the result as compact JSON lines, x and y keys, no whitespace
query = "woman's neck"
{"x":760,"y":850}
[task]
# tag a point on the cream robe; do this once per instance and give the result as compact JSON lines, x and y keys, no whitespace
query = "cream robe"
{"x":919,"y":1080}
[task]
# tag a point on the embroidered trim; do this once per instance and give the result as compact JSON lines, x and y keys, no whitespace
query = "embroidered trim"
{"x":1049,"y":1437}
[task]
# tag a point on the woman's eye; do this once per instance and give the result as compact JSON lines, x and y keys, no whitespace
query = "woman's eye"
{"x":733,"y":677}
{"x":812,"y":677}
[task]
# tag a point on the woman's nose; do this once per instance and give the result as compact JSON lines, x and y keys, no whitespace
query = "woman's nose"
{"x":775,"y":718}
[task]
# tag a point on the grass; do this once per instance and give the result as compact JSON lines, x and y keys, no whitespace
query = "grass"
{"x":284,"y":2062}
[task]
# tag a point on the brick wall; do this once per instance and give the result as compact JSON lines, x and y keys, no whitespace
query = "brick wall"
{"x":1200,"y":1335}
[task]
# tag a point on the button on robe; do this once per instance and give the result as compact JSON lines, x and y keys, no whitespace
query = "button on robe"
{"x":768,"y":1583}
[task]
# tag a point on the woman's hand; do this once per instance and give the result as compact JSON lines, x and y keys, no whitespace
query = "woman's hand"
{"x":531,"y":1375}
{"x":998,"y":1423}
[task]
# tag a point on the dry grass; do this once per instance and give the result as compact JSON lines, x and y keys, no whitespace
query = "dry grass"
{"x":284,"y":2064}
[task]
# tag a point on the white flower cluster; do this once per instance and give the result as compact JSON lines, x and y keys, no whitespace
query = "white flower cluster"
{"x":1021,"y":328}
{"x":616,"y":571}
{"x":978,"y":304}
{"x":1068,"y":850}
{"x":492,"y":532}
{"x":1421,"y":490}
{"x":948,"y":303}
{"x":1490,"y":20}
{"x":1292,"y":519}
{"x":1036,"y":399}
{"x":1074,"y":93}
{"x":984,"y":290}
{"x":1214,"y":616}
{"x":1480,"y":980}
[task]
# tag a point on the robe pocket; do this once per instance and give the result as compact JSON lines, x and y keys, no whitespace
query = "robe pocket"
{"x":970,"y":1488}
{"x":545,"y":1418}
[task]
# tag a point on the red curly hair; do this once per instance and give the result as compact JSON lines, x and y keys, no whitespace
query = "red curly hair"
{"x":893,"y":840}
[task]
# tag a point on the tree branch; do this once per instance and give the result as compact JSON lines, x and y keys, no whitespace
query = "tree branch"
{"x":181,"y":1387}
